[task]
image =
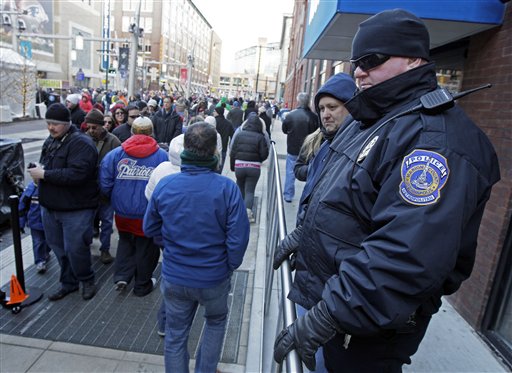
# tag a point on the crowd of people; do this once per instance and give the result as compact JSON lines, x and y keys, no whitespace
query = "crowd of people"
{"x":387,"y":222}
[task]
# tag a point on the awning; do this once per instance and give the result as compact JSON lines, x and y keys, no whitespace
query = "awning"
{"x":49,"y":67}
{"x":333,"y":24}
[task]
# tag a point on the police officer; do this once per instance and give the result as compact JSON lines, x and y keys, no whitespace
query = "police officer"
{"x":392,"y":223}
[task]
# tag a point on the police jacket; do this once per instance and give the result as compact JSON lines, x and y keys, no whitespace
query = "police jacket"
{"x":298,"y":124}
{"x":70,"y":172}
{"x":403,"y":231}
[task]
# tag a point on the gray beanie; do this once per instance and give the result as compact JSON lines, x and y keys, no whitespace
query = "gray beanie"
{"x":393,"y":33}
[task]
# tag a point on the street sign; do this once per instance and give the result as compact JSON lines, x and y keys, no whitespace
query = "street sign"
{"x":183,"y":75}
{"x":80,"y":76}
{"x":26,"y":49}
{"x":153,"y":73}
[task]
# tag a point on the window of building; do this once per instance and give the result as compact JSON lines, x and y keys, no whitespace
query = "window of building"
{"x":147,"y":48}
{"x":126,"y":24}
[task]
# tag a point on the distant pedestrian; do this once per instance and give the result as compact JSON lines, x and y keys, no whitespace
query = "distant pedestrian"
{"x":298,"y":124}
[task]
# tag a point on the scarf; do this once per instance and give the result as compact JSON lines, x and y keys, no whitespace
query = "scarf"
{"x":190,"y":158}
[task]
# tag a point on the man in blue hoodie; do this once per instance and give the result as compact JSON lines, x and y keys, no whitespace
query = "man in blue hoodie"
{"x":202,"y":219}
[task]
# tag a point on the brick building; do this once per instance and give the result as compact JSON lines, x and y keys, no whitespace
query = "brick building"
{"x":471,"y":47}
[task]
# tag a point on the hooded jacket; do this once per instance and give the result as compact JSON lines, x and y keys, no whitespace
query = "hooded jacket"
{"x":250,"y":143}
{"x":402,"y":232}
{"x":124,"y":173}
{"x":297,"y":125}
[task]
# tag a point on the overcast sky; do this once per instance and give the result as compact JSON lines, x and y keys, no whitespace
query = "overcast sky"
{"x":240,"y":23}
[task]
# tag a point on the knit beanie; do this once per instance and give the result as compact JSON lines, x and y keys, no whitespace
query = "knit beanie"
{"x":58,"y":113}
{"x":142,"y":126}
{"x":393,"y":33}
{"x":219,"y":110}
{"x":74,"y":98}
{"x":210,"y":120}
{"x":152,"y":103}
{"x":94,"y":117}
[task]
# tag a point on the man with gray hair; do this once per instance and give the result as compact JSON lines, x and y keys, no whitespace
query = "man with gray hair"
{"x":298,"y":124}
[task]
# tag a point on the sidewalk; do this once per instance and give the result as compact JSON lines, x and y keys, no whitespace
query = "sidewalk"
{"x":450,"y":345}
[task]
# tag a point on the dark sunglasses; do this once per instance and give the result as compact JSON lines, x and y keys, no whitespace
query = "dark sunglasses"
{"x":107,"y":121}
{"x":369,"y":61}
{"x":134,"y":116}
{"x":119,"y":113}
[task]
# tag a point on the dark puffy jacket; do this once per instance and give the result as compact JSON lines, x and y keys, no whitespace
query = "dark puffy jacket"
{"x":392,"y":223}
{"x":298,"y":124}
{"x":166,"y":126}
{"x":77,"y":116}
{"x":225,"y":130}
{"x":249,"y":143}
{"x":70,"y":176}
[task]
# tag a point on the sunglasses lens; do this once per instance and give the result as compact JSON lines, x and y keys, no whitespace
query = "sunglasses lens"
{"x":369,"y":61}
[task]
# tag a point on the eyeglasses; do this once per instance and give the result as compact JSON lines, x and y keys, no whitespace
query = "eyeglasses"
{"x":119,"y":113}
{"x":369,"y":61}
{"x":134,"y":116}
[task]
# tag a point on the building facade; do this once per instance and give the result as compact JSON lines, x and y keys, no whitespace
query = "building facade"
{"x":262,"y":62}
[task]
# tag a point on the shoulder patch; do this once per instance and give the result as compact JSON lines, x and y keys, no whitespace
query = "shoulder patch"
{"x":424,"y":174}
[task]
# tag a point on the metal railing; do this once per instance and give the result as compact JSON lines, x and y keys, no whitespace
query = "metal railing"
{"x":276,"y":231}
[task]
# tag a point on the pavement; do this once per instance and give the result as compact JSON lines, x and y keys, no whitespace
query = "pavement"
{"x":450,"y":345}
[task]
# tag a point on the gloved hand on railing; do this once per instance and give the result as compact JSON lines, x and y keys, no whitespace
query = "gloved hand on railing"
{"x":288,"y":245}
{"x":306,"y":335}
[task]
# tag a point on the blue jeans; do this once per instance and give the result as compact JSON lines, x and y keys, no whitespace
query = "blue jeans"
{"x":39,"y":246}
{"x":68,"y":234}
{"x":289,"y":182}
{"x":106,"y":217}
{"x":181,"y":304}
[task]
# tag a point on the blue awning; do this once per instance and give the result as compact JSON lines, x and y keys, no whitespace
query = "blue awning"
{"x":332,"y":25}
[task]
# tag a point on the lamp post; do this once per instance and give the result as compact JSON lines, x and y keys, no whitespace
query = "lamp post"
{"x":136,"y":32}
{"x":190,"y":65}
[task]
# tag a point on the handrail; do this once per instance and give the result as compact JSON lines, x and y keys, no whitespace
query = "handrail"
{"x":276,"y":232}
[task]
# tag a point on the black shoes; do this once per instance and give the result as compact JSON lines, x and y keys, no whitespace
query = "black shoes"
{"x":88,"y":290}
{"x":61,"y":293}
{"x":106,"y":258}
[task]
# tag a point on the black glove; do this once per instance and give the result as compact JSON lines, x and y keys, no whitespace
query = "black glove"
{"x":306,"y":335}
{"x":288,"y":246}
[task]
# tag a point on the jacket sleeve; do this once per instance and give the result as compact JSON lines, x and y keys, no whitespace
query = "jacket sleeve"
{"x":107,"y":174}
{"x":80,"y":165}
{"x":232,"y":154}
{"x":152,"y":223}
{"x":237,"y":227}
{"x":263,"y":148}
{"x":301,"y":165}
{"x":412,"y":251}
{"x":286,"y":124}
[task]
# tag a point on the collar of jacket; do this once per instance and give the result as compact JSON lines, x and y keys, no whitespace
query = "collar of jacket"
{"x":370,"y":105}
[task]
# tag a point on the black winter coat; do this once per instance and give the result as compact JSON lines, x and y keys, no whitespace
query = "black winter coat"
{"x":225,"y":130}
{"x":249,"y":144}
{"x":166,"y":126}
{"x":392,"y":223}
{"x":298,"y":124}
{"x":70,"y":173}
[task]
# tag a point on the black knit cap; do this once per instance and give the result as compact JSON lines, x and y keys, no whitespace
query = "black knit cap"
{"x":393,"y":33}
{"x":58,"y":113}
{"x":94,"y":117}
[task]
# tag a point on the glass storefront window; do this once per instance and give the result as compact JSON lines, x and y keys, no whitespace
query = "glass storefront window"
{"x":450,"y":79}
